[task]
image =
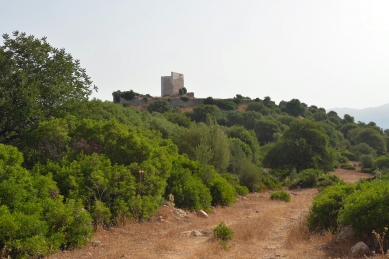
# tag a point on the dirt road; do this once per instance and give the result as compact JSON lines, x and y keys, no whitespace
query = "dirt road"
{"x":263,"y":228}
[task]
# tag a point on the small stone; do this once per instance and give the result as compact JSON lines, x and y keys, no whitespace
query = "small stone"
{"x":359,"y":249}
{"x":96,"y":243}
{"x":202,"y":214}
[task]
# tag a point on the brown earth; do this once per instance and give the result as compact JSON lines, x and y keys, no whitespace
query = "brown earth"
{"x":263,"y":228}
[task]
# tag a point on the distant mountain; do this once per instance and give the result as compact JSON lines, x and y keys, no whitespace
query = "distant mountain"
{"x":380,"y":114}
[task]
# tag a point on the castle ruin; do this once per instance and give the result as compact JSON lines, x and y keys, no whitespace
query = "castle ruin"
{"x":171,"y":85}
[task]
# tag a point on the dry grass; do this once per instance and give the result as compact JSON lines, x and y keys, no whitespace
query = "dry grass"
{"x":298,"y":233}
{"x":252,"y":229}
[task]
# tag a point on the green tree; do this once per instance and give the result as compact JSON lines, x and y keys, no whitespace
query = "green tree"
{"x":265,"y":130}
{"x":369,"y":136}
{"x":295,"y":108}
{"x":207,"y":144}
{"x":200,"y":112}
{"x":304,"y":145}
{"x":37,"y":81}
{"x":160,"y":106}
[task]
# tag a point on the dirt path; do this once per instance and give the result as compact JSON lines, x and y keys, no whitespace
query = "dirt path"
{"x":263,"y":228}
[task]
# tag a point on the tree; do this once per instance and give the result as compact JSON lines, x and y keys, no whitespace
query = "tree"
{"x":304,"y":145}
{"x":369,"y":136}
{"x":37,"y":81}
{"x":295,"y":108}
{"x":160,"y":106}
{"x":265,"y":129}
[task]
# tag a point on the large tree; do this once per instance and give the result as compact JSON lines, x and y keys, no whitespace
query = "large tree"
{"x":304,"y":145}
{"x":37,"y":81}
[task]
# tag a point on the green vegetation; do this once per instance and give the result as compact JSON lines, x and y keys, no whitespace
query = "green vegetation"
{"x":68,"y":163}
{"x":283,"y":196}
{"x":223,"y":233}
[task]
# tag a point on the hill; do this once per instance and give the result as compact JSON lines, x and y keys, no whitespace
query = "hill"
{"x":380,"y":114}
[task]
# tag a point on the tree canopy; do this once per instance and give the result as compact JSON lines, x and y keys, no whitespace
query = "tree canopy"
{"x":37,"y":81}
{"x":304,"y":145}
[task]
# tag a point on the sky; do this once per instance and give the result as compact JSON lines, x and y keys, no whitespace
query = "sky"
{"x":324,"y":53}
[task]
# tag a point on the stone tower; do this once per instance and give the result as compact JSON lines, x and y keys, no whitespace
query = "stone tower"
{"x":170,"y":85}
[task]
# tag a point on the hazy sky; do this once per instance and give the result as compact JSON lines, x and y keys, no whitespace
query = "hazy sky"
{"x":324,"y":53}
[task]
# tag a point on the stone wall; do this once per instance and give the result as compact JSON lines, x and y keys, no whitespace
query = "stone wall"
{"x":175,"y":101}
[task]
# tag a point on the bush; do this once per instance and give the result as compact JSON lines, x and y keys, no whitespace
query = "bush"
{"x":209,"y":100}
{"x":347,"y":166}
{"x":381,"y":162}
{"x":305,"y":179}
{"x":367,"y":209}
{"x":284,"y":196}
{"x":160,"y":106}
{"x":241,"y":190}
{"x":323,"y":214}
{"x":366,"y":161}
{"x":223,"y":232}
{"x":184,"y":98}
{"x":188,"y":190}
{"x":343,"y":160}
{"x":222,"y":192}
{"x":350,"y":155}
{"x":226,"y":105}
{"x":34,"y":220}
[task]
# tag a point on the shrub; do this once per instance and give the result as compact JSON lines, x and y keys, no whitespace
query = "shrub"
{"x":323,"y":214}
{"x":209,"y":100}
{"x":226,"y":105}
{"x":305,"y":179}
{"x":347,"y":166}
{"x":222,"y":192}
{"x":188,"y":190}
{"x":381,"y":162}
{"x":34,"y":219}
{"x":160,"y":106}
{"x":241,"y":190}
{"x":350,"y":155}
{"x":325,"y":180}
{"x":184,"y":98}
{"x":284,"y":196}
{"x":223,"y":232}
{"x":366,"y":161}
{"x":367,"y":209}
{"x":343,"y":160}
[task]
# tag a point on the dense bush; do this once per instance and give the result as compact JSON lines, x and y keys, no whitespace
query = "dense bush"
{"x":367,"y":209}
{"x":222,"y":192}
{"x":188,"y":190}
{"x":381,"y":162}
{"x":366,"y":161}
{"x":347,"y":166}
{"x":233,"y":179}
{"x":34,"y":219}
{"x":305,"y":179}
{"x":160,"y":106}
{"x":226,"y":105}
{"x":284,"y":196}
{"x":350,"y":155}
{"x":223,"y":232}
{"x":310,"y":178}
{"x":326,"y":205}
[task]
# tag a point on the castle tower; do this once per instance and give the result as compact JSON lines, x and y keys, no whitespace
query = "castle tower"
{"x":170,"y":85}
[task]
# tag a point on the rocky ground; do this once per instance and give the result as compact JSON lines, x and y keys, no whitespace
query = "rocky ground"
{"x":263,"y":228}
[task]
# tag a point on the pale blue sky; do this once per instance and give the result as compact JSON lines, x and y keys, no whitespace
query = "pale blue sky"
{"x":324,"y":53}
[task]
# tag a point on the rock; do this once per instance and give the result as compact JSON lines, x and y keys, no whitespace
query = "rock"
{"x":189,"y":233}
{"x":202,"y":214}
{"x":96,"y":243}
{"x":181,"y":213}
{"x":359,"y":249}
{"x":345,"y":233}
